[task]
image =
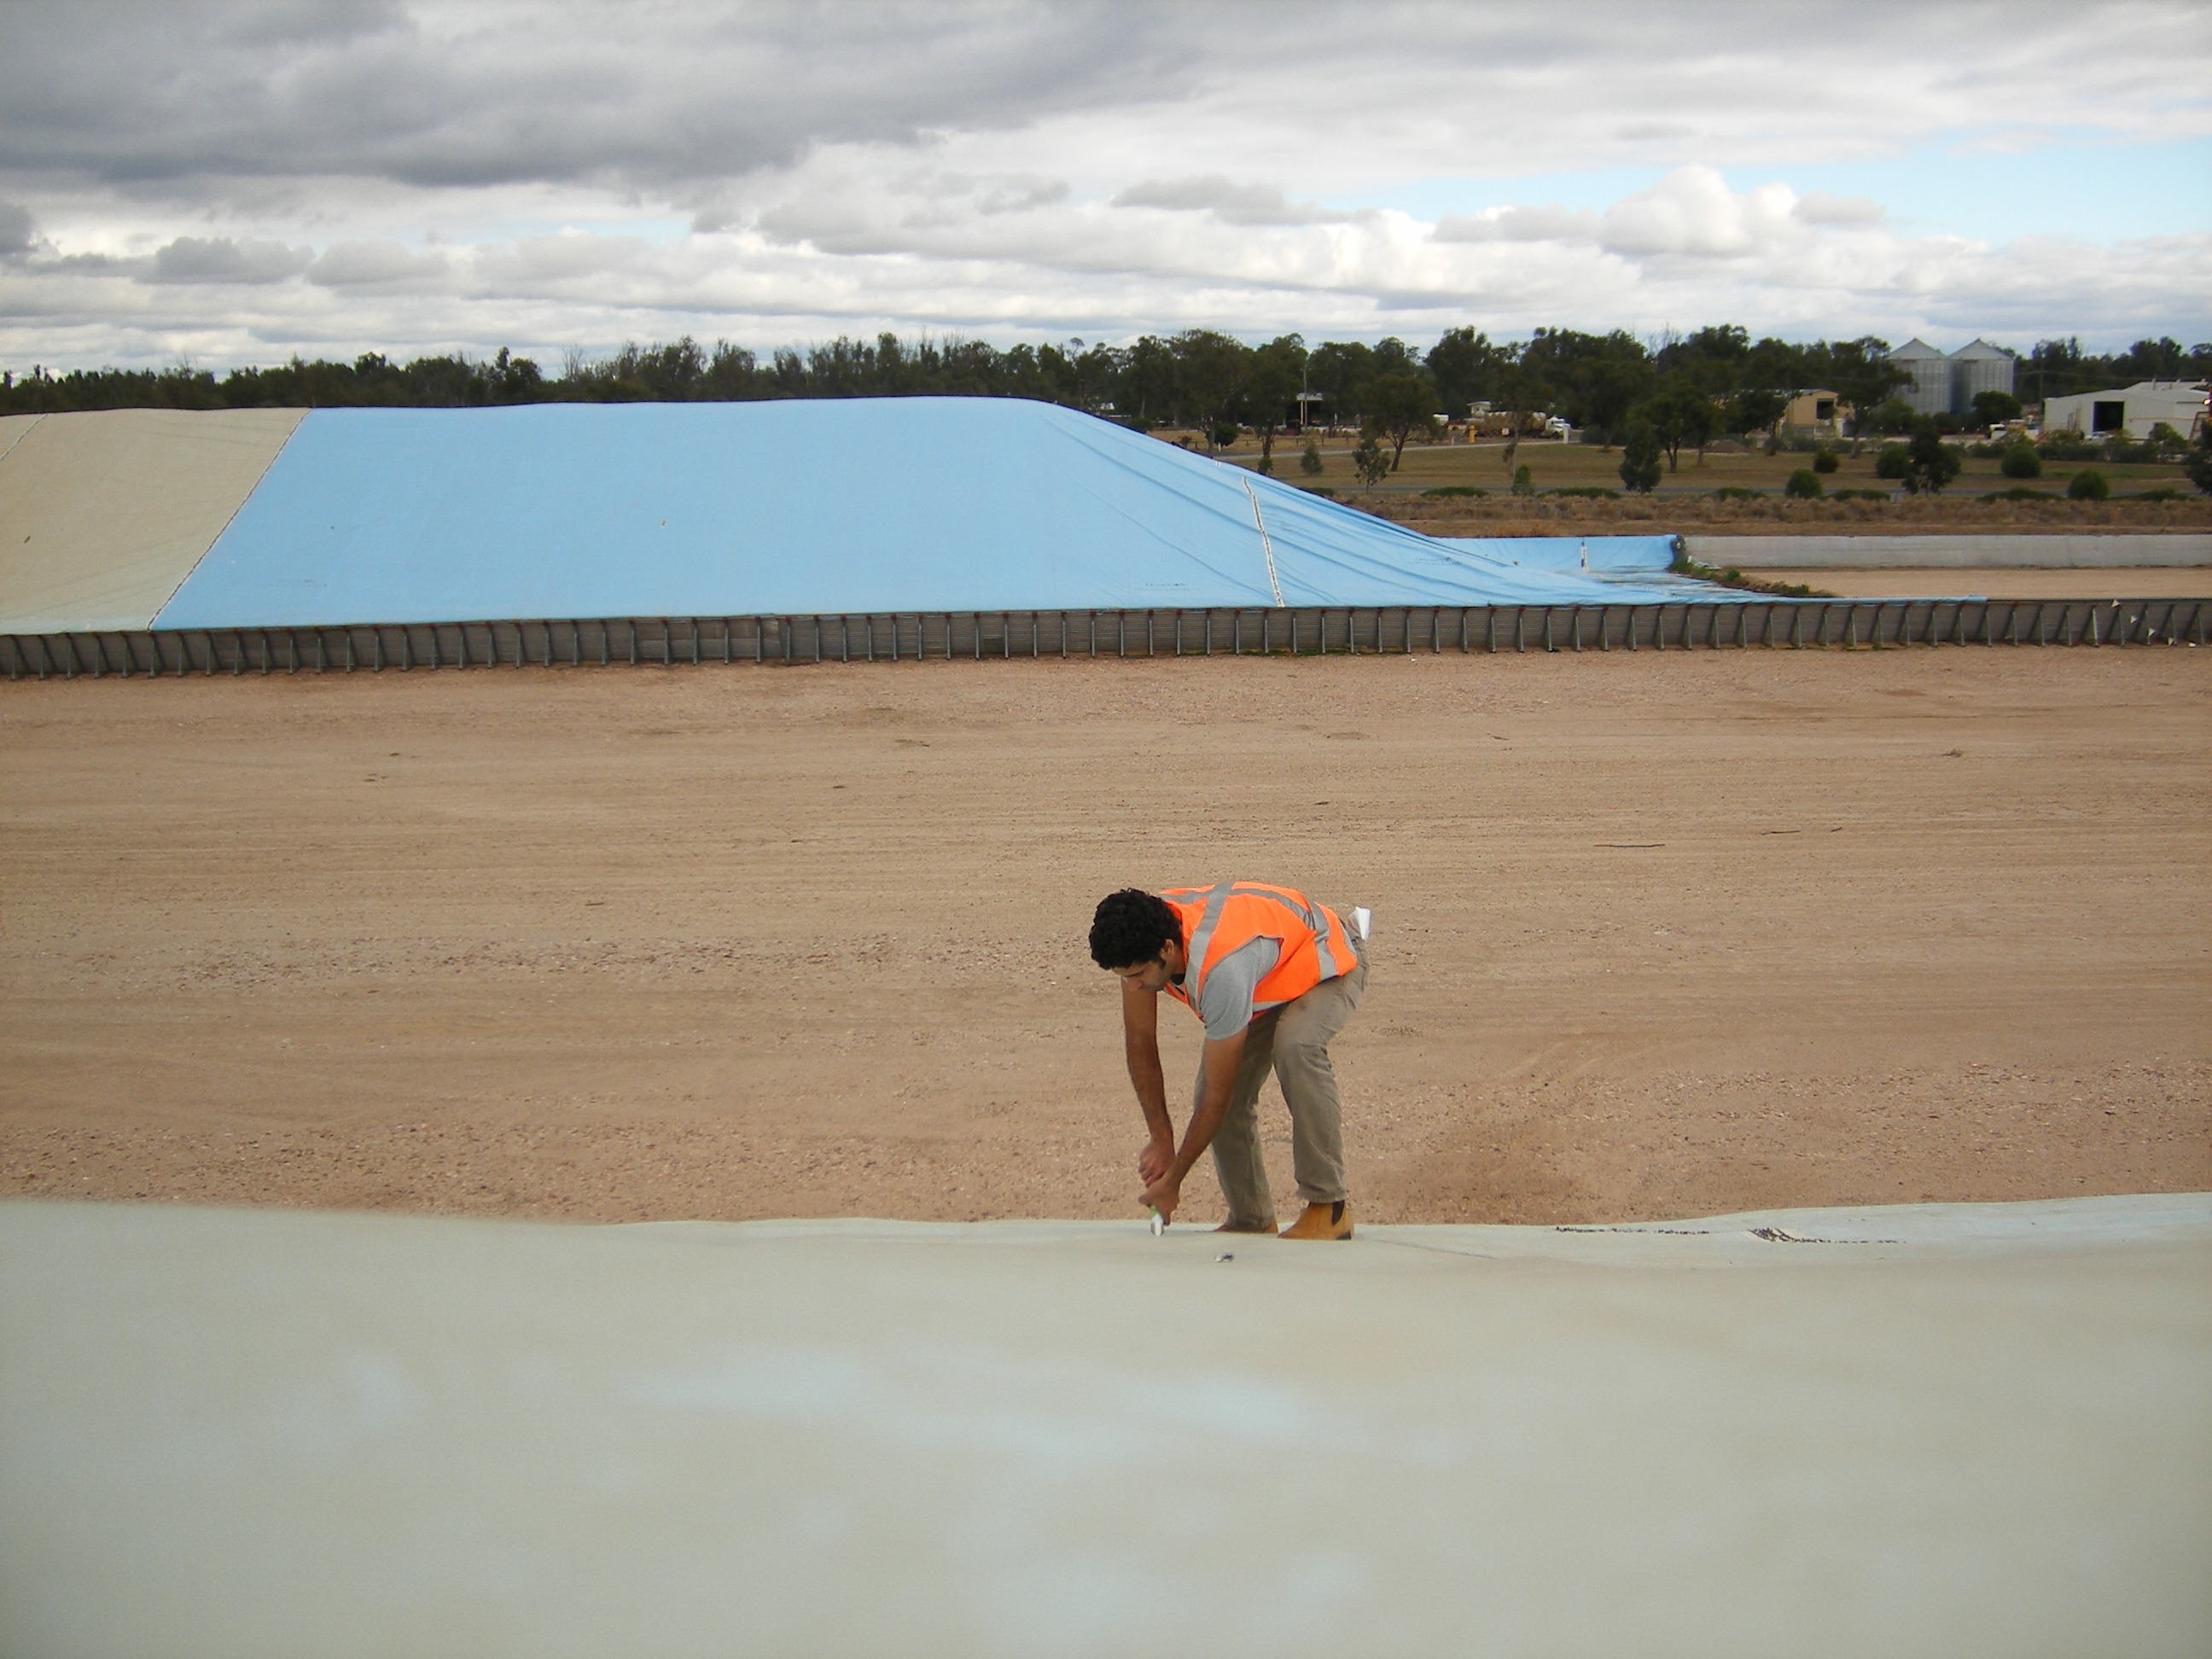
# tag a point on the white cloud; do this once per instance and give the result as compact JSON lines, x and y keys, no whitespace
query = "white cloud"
{"x":1552,"y":223}
{"x":1230,"y":203}
{"x":220,"y":259}
{"x":16,"y":226}
{"x":1692,"y":210}
{"x":238,"y":181}
{"x":375,"y":265}
{"x":1821,"y":209}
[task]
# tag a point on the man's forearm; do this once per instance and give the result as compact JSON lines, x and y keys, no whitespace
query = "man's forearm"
{"x":1150,"y":1084}
{"x":1205,"y":1119}
{"x":1217,"y":1086}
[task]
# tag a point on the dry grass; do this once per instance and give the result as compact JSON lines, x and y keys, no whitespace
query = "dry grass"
{"x":1774,"y":515}
{"x":1687,"y":499}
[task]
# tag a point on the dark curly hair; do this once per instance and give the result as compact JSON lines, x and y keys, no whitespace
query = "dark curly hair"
{"x":1130,"y":927}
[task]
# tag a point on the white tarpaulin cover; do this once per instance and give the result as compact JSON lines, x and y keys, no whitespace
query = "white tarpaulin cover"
{"x":1940,"y":1430}
{"x":103,"y":515}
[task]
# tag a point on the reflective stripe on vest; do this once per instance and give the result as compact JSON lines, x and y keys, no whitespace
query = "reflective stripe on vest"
{"x":1218,"y":919}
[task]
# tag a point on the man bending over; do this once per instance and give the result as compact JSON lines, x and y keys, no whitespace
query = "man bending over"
{"x":1274,"y":976}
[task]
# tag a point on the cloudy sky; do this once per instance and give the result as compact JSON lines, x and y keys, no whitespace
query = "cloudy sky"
{"x":231,"y":183}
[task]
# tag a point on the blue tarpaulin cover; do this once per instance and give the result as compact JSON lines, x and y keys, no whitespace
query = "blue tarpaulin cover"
{"x":934,"y":504}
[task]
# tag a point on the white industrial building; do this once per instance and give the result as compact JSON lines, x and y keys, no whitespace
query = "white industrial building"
{"x":1947,"y":383}
{"x":2133,"y":410}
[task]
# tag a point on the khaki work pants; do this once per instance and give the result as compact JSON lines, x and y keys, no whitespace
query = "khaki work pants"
{"x":1294,"y":1041}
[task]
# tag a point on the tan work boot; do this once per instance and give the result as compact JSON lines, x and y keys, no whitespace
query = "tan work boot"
{"x":1233,"y":1225}
{"x":1322,"y":1221}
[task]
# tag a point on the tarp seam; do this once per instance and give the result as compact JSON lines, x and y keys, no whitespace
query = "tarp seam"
{"x":216,"y":540}
{"x":1266,"y":546}
{"x":28,"y":429}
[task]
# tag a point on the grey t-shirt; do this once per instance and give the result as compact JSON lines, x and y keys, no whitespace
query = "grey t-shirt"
{"x":1224,"y":1001}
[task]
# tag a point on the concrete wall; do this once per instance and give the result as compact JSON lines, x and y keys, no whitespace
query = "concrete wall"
{"x":1949,"y":552}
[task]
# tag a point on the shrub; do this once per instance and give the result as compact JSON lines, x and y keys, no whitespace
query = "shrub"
{"x":1860,"y":496}
{"x":1893,"y":461}
{"x":1639,"y":459}
{"x":2067,"y":447}
{"x":2021,"y":461}
{"x":2197,"y":463}
{"x":1737,"y":492}
{"x":1524,"y":481}
{"x":1587,"y":492}
{"x":1895,"y":416}
{"x":1455,"y":489}
{"x":1319,"y":490}
{"x":1994,"y":408}
{"x":1930,"y":463}
{"x":1309,"y":458}
{"x":1825,"y":461}
{"x":1371,"y":460}
{"x":2019,"y":493}
{"x":2089,"y":486}
{"x":2163,"y":493}
{"x":1804,"y":485}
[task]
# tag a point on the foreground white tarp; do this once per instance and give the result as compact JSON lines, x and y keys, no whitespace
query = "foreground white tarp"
{"x":1944,"y":1431}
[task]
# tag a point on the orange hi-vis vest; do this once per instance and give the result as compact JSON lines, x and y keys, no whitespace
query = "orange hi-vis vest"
{"x":1314,"y":945}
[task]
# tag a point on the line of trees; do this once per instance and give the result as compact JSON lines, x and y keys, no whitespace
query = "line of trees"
{"x":1683,"y":391}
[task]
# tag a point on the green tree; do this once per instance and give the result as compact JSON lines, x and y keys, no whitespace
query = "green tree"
{"x":2197,"y":463}
{"x":1996,"y":408}
{"x":1309,"y":458}
{"x":1467,"y":367}
{"x":1894,"y":462}
{"x":1756,"y":409}
{"x":1859,"y":372}
{"x":1210,"y":374}
{"x":1145,"y":391}
{"x":1594,"y":380}
{"x":1271,"y":388}
{"x":2019,"y":460}
{"x":1337,"y":369}
{"x":1519,"y":393}
{"x":1930,"y":463}
{"x":1639,"y":458}
{"x":1368,"y":459}
{"x":1825,"y":461}
{"x":1680,"y":413}
{"x":1895,"y":416}
{"x":1524,"y":481}
{"x":2089,"y":486}
{"x":1399,"y":404}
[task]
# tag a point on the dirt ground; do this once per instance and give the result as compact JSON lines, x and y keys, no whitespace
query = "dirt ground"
{"x":1658,"y":935}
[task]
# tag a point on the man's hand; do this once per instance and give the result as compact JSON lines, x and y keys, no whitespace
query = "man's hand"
{"x":1163,"y":1194}
{"x":1156,"y":1160}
